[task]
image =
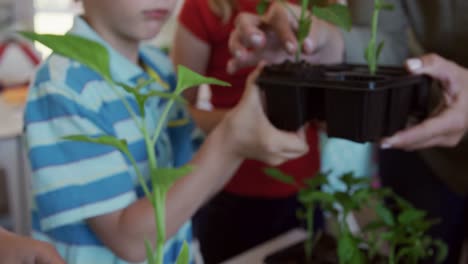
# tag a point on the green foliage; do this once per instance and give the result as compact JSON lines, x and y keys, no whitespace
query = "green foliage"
{"x":373,"y":50}
{"x":337,"y":14}
{"x":184,"y":255}
{"x":96,"y":57}
{"x":188,"y":79}
{"x":262,"y":6}
{"x":405,"y":231}
{"x":85,"y":51}
{"x":280,"y":176}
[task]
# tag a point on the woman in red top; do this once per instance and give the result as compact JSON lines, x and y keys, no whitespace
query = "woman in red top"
{"x":253,"y":207}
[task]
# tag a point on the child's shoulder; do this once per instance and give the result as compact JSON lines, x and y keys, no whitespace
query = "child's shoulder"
{"x":59,"y":70}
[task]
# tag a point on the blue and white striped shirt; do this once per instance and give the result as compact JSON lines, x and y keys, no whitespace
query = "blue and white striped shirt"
{"x":74,"y":181}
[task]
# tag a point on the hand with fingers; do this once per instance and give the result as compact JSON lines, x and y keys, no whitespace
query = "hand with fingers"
{"x":255,"y":137}
{"x":271,"y":37}
{"x":447,"y":127}
{"x":22,"y":250}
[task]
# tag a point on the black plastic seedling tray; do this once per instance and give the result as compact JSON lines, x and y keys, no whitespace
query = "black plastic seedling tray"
{"x":354,"y":104}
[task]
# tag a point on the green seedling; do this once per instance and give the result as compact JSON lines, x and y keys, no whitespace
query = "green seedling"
{"x":337,"y":14}
{"x":373,"y":50}
{"x":405,"y":233}
{"x":96,"y":57}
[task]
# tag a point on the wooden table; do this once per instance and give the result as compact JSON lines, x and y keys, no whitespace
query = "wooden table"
{"x":257,"y":254}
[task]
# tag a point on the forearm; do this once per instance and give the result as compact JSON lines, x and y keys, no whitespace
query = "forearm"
{"x":207,"y":120}
{"x":124,"y":231}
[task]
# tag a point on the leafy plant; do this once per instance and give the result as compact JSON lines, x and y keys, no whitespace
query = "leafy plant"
{"x":373,"y":50}
{"x":405,"y":233}
{"x":96,"y":57}
{"x":337,"y":14}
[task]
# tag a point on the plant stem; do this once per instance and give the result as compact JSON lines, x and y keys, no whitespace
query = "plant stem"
{"x":391,"y":256}
{"x":132,"y":113}
{"x":159,"y":214}
{"x":162,"y":121}
{"x":302,"y":21}
{"x":373,"y":41}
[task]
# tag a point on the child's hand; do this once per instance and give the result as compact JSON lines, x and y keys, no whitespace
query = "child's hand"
{"x":254,"y":137}
{"x":22,"y":250}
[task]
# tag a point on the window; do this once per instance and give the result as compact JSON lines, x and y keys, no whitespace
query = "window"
{"x":54,"y":17}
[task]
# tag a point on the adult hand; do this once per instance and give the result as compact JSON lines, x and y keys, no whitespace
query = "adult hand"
{"x":22,"y":250}
{"x":447,"y":127}
{"x":254,"y":137}
{"x":271,"y":37}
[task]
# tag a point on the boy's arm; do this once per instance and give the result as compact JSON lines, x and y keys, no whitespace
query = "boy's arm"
{"x":244,"y":133}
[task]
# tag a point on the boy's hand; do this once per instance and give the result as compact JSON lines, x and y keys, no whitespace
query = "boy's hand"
{"x":253,"y":137}
{"x":272,"y":38}
{"x":22,"y":250}
{"x":448,"y":127}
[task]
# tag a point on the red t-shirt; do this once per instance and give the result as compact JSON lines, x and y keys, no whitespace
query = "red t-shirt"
{"x":197,"y":17}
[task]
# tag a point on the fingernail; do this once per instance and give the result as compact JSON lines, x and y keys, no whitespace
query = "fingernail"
{"x":256,"y":39}
{"x":230,"y":68}
{"x":389,"y":143}
{"x":414,"y":64}
{"x":386,"y":146}
{"x":290,"y":47}
{"x":309,"y":45}
{"x":239,"y":54}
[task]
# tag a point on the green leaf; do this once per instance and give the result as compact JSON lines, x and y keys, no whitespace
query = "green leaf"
{"x":119,"y":144}
{"x":262,"y":7}
{"x":315,"y":182}
{"x":85,"y":51}
{"x":373,"y":226}
{"x":402,"y":253}
{"x":316,"y":196}
{"x":141,"y":98}
{"x":149,"y":253}
{"x":346,"y":248}
{"x":441,"y":250}
{"x":184,"y":255}
{"x":351,"y":180}
{"x":280,"y":176}
{"x":410,"y":216}
{"x":337,"y":14}
{"x":382,"y":5}
{"x":166,"y":177}
{"x":385,"y":214}
{"x":303,"y":30}
{"x":187,"y":79}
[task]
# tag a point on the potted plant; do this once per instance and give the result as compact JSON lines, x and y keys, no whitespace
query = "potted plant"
{"x":96,"y":57}
{"x":404,"y":232}
{"x":357,"y":102}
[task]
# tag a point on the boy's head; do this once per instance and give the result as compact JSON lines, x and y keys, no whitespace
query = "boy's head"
{"x":131,"y":19}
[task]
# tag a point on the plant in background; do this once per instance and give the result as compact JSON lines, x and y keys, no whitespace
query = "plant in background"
{"x":337,"y":14}
{"x":373,"y":50}
{"x":405,"y":233}
{"x":96,"y":57}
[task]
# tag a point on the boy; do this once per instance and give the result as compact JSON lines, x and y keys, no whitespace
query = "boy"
{"x":87,"y":199}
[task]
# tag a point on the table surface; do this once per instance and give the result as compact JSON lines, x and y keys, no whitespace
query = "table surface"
{"x":11,"y":120}
{"x":257,"y":254}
